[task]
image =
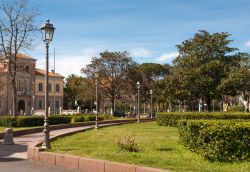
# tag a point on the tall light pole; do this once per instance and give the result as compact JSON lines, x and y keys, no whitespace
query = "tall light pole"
{"x":47,"y":34}
{"x":96,"y":95}
{"x":138,"y":101}
{"x":151,"y":108}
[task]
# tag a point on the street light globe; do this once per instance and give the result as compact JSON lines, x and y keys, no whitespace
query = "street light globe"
{"x":47,"y":32}
{"x":138,"y":84}
{"x":151,"y":91}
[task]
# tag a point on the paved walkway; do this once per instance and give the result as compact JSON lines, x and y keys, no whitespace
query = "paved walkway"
{"x":13,"y":158}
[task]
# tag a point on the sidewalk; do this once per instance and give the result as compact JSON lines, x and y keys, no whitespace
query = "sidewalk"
{"x":13,"y":158}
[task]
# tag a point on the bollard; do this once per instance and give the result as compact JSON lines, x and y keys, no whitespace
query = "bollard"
{"x":8,"y":136}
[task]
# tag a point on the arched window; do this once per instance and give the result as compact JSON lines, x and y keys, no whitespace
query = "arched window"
{"x":57,"y":88}
{"x":27,"y":69}
{"x":49,"y":87}
{"x":40,"y":87}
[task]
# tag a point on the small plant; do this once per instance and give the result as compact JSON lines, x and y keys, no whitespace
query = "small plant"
{"x":127,"y":143}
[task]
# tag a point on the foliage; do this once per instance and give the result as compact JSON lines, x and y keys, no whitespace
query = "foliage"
{"x":159,"y":148}
{"x":127,"y":143}
{"x":17,"y":29}
{"x":171,"y":118}
{"x":236,"y":108}
{"x":217,"y":140}
{"x":88,"y":117}
{"x":205,"y":68}
{"x":29,"y":121}
{"x":112,"y":69}
{"x":78,"y":89}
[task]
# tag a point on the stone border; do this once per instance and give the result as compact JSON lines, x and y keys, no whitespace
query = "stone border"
{"x":82,"y":163}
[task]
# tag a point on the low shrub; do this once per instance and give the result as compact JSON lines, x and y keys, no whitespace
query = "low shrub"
{"x":78,"y":118}
{"x":107,"y":116}
{"x":171,"y":118}
{"x":127,"y":143}
{"x":30,"y":121}
{"x":236,"y":108}
{"x":219,"y":140}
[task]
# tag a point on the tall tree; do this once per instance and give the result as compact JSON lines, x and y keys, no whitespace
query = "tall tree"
{"x":112,"y":68}
{"x":204,"y":61}
{"x":17,"y":26}
{"x":78,"y":88}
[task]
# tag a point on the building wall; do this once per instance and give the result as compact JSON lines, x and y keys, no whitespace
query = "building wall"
{"x":55,"y":96}
{"x":28,"y":94}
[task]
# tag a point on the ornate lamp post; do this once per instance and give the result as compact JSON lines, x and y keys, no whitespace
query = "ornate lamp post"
{"x":47,"y":33}
{"x":96,"y":95}
{"x":151,"y":108}
{"x":138,"y":101}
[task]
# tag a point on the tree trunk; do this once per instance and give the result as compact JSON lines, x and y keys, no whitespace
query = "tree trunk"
{"x":112,"y":105}
{"x":209,"y":105}
{"x":14,"y":107}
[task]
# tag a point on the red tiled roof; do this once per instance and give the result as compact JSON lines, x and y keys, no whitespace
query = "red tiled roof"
{"x":23,"y":56}
{"x":51,"y":74}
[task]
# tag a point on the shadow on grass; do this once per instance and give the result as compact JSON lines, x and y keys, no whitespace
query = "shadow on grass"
{"x":165,"y":149}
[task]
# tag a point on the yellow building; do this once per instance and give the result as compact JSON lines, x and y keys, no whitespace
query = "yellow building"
{"x":55,"y":88}
{"x":30,"y":83}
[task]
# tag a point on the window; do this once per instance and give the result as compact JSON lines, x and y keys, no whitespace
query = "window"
{"x":49,"y":88}
{"x":40,"y":104}
{"x":57,"y":88}
{"x":57,"y":104}
{"x":27,"y":69}
{"x":40,"y":87}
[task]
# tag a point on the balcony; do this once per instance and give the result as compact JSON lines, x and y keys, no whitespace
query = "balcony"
{"x":23,"y":93}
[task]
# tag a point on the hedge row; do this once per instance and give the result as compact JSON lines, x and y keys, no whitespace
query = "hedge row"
{"x":23,"y":121}
{"x":219,"y":140}
{"x":171,"y":118}
{"x":90,"y":117}
{"x":30,"y":121}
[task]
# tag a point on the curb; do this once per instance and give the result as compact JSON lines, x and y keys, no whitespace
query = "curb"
{"x":82,"y":163}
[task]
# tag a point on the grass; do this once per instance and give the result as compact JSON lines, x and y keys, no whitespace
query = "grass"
{"x":158,"y":145}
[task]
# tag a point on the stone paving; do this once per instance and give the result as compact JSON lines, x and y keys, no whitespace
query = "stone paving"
{"x":13,"y":158}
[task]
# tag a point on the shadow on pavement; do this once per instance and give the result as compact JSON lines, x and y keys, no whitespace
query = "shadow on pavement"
{"x":10,"y":159}
{"x":8,"y":150}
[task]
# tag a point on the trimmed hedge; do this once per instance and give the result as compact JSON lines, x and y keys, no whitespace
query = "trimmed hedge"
{"x":236,"y":108}
{"x":90,"y":117}
{"x":219,"y":140}
{"x":30,"y":121}
{"x":171,"y":118}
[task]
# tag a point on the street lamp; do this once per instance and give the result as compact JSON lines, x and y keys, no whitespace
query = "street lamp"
{"x":96,"y":94}
{"x":151,"y":112}
{"x":47,"y":34}
{"x":138,"y":103}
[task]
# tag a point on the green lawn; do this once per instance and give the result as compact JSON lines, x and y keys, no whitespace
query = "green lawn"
{"x":159,"y":148}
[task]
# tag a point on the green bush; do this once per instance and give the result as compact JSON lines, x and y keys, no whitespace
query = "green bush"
{"x":171,"y":118}
{"x":107,"y":116}
{"x":219,"y":140}
{"x":59,"y":119}
{"x":78,"y":118}
{"x":30,"y":121}
{"x":236,"y":108}
{"x":128,"y":144}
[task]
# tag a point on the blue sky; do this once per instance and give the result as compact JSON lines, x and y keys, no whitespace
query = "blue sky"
{"x":148,"y":29}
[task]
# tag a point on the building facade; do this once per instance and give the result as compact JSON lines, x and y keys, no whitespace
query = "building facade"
{"x":30,"y":83}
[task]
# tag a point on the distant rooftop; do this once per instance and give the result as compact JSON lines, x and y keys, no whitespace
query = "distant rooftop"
{"x":51,"y":74}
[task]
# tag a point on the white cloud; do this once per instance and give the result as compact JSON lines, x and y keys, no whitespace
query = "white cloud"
{"x":167,"y":57}
{"x":70,"y":64}
{"x":140,"y":52}
{"x":248,"y":43}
